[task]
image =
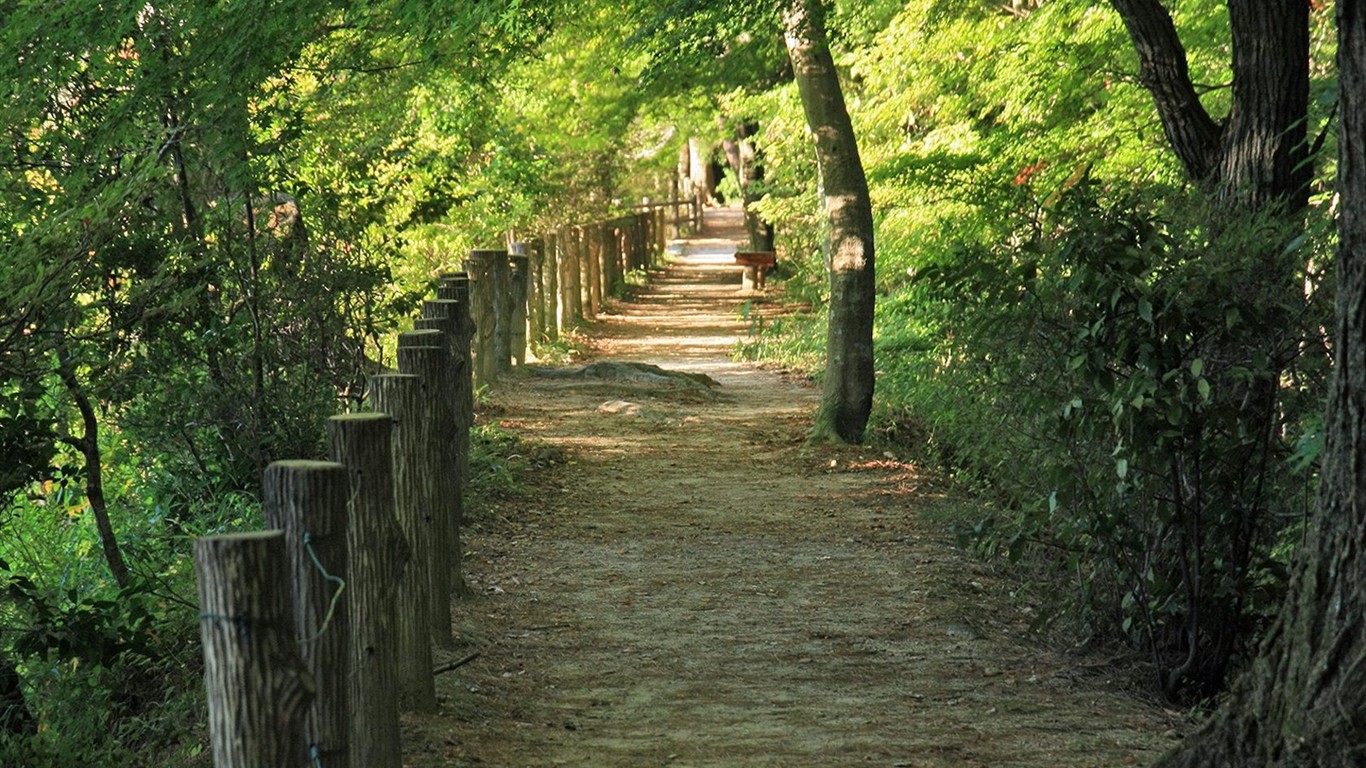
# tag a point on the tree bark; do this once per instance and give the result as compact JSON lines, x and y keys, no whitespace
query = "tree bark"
{"x":1258,"y":155}
{"x":377,"y":553}
{"x":847,"y":394}
{"x":1165,"y":73}
{"x":307,"y":500}
{"x":1304,"y":701}
{"x":258,"y":689}
{"x":417,"y":495}
{"x":751,"y":172}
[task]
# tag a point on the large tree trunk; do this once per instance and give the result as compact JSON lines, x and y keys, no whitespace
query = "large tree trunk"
{"x":847,"y":397}
{"x":1304,"y":702}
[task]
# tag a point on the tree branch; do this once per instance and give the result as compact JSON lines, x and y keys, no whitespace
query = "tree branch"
{"x":1165,"y":73}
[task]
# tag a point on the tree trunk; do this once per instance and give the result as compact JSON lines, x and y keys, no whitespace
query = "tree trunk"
{"x":1264,"y":160}
{"x":1258,"y":155}
{"x":89,"y":446}
{"x":751,"y":173}
{"x":847,"y":395}
{"x":1303,"y":702}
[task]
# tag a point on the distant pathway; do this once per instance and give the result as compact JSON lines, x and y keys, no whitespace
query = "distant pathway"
{"x":694,"y":589}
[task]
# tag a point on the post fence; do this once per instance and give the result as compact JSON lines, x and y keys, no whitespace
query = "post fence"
{"x":317,"y":633}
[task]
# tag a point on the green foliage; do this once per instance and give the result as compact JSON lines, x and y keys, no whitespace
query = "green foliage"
{"x":1113,"y":346}
{"x":1063,"y":327}
{"x":209,"y":217}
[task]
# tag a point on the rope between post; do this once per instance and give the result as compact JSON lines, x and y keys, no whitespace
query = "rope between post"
{"x":336,"y":596}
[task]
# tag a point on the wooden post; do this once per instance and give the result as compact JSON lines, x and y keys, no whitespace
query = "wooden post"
{"x":520,"y":293}
{"x":258,"y":690}
{"x":594,"y":262}
{"x":576,"y":274}
{"x":504,"y":299}
{"x":377,"y":553}
{"x":462,"y":412}
{"x":647,"y":234}
{"x":674,"y":195}
{"x":307,"y":500}
{"x":441,"y":465}
{"x":403,"y":397}
{"x":464,"y":376}
{"x":615,"y":272}
{"x":551,"y":292}
{"x":456,"y":287}
{"x":563,"y":259}
{"x":483,"y":308}
{"x":642,"y":228}
{"x":536,"y":291}
{"x":628,"y":228}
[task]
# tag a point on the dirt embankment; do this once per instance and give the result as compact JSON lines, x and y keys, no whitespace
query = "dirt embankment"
{"x":693,"y":588}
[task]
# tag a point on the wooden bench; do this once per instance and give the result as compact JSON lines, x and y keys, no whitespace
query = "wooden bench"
{"x":756,"y":264}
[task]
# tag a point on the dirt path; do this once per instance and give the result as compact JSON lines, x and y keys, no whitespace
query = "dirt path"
{"x":692,"y":588}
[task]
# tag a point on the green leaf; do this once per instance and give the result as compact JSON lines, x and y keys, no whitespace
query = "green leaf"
{"x":1197,"y":367}
{"x":1202,"y":385}
{"x":1122,"y":468}
{"x":1145,"y":310}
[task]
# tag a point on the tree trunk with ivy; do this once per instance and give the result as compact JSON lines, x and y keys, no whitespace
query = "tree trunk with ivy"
{"x":1303,"y":702}
{"x":847,"y":394}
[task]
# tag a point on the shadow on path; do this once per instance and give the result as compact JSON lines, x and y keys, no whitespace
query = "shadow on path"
{"x":694,"y":588}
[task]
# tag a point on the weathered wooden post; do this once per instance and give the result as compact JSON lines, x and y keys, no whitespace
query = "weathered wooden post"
{"x":504,"y":303}
{"x":643,"y":240}
{"x":403,"y":397}
{"x":377,"y":553}
{"x":456,"y":287}
{"x":632,"y":251}
{"x":483,"y":307}
{"x":536,"y":291}
{"x":434,"y":364}
{"x":520,"y":293}
{"x":661,"y":231}
{"x":647,"y":228}
{"x":258,"y":690}
{"x":462,"y":412}
{"x":594,"y":253}
{"x":565,"y":260}
{"x":576,"y":259}
{"x":674,"y":201}
{"x":605,"y":260}
{"x":551,"y":291}
{"x":307,"y":500}
{"x":617,"y":274}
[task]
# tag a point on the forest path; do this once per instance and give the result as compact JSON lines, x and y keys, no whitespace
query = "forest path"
{"x":693,"y":588}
